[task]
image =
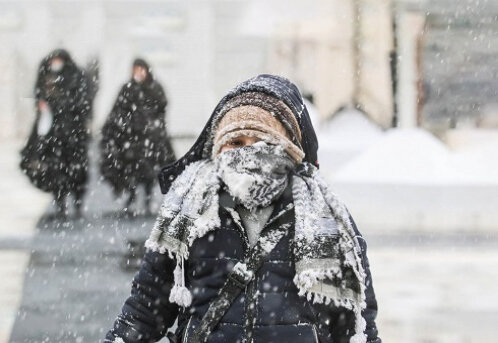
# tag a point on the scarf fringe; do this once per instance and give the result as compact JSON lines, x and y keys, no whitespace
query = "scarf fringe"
{"x":155,"y":246}
{"x":360,"y":323}
{"x":307,"y":278}
{"x":165,"y":244}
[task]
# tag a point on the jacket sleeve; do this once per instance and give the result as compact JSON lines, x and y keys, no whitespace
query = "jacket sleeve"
{"x":124,"y":101}
{"x":156,"y":92}
{"x":336,"y":325}
{"x":147,"y":313}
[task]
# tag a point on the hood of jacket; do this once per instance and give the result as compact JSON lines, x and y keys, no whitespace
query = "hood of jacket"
{"x":273,"y":85}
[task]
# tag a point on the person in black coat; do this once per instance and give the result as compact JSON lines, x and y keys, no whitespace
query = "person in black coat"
{"x":250,"y":245}
{"x":55,"y":157}
{"x":134,"y":139}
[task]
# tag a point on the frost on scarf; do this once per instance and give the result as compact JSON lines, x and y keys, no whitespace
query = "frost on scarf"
{"x":328,"y":260}
{"x":255,"y":175}
{"x":189,"y":210}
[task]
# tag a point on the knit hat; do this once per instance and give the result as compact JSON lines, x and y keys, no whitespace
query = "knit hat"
{"x":255,"y":114}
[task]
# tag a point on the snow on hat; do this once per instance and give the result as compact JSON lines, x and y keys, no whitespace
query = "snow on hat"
{"x":255,"y":114}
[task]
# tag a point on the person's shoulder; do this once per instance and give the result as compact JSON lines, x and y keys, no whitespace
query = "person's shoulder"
{"x":128,"y":87}
{"x":156,"y":86}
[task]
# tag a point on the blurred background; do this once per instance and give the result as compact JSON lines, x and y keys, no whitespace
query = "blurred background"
{"x":403,"y":95}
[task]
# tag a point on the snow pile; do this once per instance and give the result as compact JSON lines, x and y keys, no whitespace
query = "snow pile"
{"x":409,"y":180}
{"x":349,"y":133}
{"x":350,"y":130}
{"x":407,"y":156}
{"x":415,"y":157}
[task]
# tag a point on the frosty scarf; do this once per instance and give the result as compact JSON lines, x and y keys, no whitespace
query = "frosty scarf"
{"x":255,"y":175}
{"x":327,"y":258}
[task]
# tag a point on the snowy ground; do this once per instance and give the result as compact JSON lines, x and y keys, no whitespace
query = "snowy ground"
{"x":442,"y":296}
{"x":77,"y":276}
{"x":436,"y":290}
{"x":21,"y":205}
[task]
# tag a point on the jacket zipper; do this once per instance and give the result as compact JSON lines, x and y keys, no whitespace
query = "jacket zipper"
{"x":241,"y":230}
{"x":249,"y":316}
{"x":250,"y":311}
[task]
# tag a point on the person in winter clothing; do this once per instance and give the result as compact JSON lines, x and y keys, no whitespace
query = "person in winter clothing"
{"x":250,"y":244}
{"x":134,"y":140}
{"x":55,"y":157}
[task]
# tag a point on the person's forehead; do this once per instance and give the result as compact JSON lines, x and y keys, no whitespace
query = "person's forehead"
{"x":244,"y":136}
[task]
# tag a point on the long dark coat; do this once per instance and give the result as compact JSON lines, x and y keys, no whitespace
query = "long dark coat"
{"x":135,"y":144}
{"x":58,"y":161}
{"x":269,"y":309}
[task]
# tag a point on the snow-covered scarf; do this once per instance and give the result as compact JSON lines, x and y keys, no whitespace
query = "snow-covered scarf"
{"x":327,"y":258}
{"x":255,"y":175}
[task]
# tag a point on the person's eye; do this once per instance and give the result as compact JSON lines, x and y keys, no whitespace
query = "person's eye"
{"x":236,"y":142}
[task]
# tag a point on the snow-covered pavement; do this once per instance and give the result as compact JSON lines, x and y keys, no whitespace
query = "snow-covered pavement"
{"x":442,"y":293}
{"x":21,"y":206}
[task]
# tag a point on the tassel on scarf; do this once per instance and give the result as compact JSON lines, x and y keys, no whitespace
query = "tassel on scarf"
{"x":180,"y":293}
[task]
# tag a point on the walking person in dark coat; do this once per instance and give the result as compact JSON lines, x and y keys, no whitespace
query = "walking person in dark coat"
{"x":134,"y":142}
{"x":250,"y":244}
{"x":55,"y":157}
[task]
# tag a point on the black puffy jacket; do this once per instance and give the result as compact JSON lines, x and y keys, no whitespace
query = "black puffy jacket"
{"x":269,"y":309}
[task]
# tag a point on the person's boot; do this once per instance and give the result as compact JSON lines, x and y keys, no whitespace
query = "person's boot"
{"x":78,"y":211}
{"x":148,"y":210}
{"x":148,"y":200}
{"x":78,"y":203}
{"x":60,"y":206}
{"x":131,"y":199}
